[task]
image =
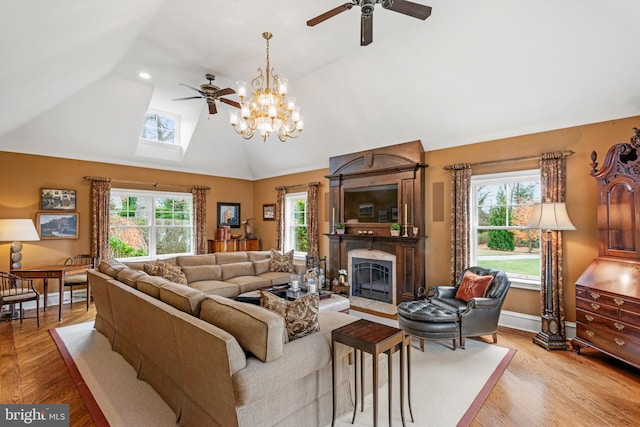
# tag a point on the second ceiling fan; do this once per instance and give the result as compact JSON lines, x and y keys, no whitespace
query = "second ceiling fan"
{"x":366,"y":20}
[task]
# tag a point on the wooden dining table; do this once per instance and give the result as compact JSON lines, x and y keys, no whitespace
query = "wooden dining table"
{"x":55,"y":271}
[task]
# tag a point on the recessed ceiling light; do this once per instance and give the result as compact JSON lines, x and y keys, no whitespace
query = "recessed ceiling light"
{"x":144,"y":75}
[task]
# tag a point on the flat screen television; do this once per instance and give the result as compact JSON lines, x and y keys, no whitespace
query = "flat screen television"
{"x":377,"y":203}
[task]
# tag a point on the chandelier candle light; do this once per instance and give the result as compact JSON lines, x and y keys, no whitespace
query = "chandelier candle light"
{"x":267,"y":109}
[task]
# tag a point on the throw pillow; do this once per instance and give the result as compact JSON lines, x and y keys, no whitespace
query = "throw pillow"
{"x":300,"y":316}
{"x":473,"y":286}
{"x":170,"y":272}
{"x":281,"y":262}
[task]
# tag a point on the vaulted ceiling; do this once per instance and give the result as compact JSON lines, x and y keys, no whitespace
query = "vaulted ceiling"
{"x":474,"y":70}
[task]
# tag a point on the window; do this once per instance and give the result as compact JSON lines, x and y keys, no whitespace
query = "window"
{"x":160,"y":127}
{"x":501,"y":205}
{"x":295,"y":224}
{"x":148,"y":224}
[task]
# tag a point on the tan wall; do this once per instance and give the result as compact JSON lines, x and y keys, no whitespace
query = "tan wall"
{"x":580,"y":246}
{"x":22,"y":176}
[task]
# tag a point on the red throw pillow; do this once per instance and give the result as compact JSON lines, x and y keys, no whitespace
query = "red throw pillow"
{"x":473,"y":286}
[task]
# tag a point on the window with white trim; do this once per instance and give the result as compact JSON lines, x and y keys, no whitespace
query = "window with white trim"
{"x":150,"y":224}
{"x":160,"y":126}
{"x":501,"y":205}
{"x":295,"y":224}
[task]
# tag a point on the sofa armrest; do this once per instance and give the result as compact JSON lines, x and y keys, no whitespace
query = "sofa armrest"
{"x":444,"y":291}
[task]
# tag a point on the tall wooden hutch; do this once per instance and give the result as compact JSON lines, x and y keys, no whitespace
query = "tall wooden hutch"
{"x":370,"y":190}
{"x":608,"y":292}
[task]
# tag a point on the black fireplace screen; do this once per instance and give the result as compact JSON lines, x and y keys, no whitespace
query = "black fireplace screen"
{"x":372,"y":279}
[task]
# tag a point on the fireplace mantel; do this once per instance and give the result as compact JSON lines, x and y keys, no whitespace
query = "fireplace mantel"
{"x":399,"y":166}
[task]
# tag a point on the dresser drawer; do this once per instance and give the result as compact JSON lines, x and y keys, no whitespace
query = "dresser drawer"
{"x":631,"y":317}
{"x":610,"y":326}
{"x":615,"y":344}
{"x":597,"y":307}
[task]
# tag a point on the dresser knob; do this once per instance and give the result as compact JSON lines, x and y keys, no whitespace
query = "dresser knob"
{"x":595,"y":306}
{"x":618,"y":326}
{"x":618,"y":301}
{"x":588,"y":332}
{"x":588,"y":317}
{"x":619,"y":341}
{"x":595,"y":295}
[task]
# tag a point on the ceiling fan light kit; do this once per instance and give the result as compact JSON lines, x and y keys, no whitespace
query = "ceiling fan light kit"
{"x":405,"y":7}
{"x":267,"y":109}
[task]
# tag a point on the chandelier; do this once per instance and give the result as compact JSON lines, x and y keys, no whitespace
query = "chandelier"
{"x":267,"y":109}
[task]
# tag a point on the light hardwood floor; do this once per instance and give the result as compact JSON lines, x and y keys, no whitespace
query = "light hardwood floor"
{"x":539,"y":388}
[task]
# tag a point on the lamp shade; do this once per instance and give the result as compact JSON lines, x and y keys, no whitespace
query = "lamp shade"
{"x":550,"y":216}
{"x":12,"y":230}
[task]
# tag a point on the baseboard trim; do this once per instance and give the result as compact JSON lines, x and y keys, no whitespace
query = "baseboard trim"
{"x":529,"y":323}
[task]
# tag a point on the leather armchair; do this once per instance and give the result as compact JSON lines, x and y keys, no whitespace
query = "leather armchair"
{"x":478,"y":316}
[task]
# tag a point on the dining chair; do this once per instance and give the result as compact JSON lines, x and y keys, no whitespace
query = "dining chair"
{"x":79,"y":280}
{"x":16,"y":290}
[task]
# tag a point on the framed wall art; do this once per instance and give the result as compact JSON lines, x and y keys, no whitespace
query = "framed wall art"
{"x":57,"y":225}
{"x":229,"y":214}
{"x":365,"y":210}
{"x":269,"y":212}
{"x":52,"y":199}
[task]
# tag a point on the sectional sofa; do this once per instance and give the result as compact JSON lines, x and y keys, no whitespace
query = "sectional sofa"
{"x":216,"y":361}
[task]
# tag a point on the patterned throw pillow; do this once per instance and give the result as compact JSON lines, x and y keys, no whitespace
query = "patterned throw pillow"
{"x":473,"y":286}
{"x":170,"y":272}
{"x":281,"y":262}
{"x":300,"y":316}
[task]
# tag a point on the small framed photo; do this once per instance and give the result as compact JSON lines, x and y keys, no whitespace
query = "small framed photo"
{"x":383,"y":215}
{"x":52,"y":199}
{"x":365,"y":210}
{"x":229,"y":214}
{"x":394,"y":214}
{"x":57,"y":225}
{"x":269,"y":212}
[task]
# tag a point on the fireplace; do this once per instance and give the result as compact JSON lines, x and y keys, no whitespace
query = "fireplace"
{"x":372,"y":275}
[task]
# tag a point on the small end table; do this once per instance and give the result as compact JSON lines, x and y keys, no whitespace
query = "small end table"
{"x":373,"y":338}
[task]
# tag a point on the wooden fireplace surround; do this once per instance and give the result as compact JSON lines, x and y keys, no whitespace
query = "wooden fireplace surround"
{"x":399,"y":164}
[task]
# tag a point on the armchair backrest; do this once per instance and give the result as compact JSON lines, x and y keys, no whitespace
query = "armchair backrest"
{"x":499,"y":285}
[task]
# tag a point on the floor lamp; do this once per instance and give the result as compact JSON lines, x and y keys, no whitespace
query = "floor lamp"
{"x":549,"y":217}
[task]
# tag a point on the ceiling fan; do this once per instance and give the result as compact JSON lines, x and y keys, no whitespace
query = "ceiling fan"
{"x":366,"y":20}
{"x":211,"y":93}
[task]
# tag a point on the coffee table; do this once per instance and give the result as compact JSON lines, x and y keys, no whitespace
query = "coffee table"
{"x":373,"y":338}
{"x":282,"y":291}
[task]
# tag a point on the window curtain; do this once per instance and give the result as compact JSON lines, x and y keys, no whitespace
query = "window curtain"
{"x":313,"y":237}
{"x":281,"y":193}
{"x":553,"y":170}
{"x":200,"y":219}
{"x":460,"y":188}
{"x":100,"y":191}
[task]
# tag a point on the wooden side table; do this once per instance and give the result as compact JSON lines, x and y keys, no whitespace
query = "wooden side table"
{"x":373,"y":338}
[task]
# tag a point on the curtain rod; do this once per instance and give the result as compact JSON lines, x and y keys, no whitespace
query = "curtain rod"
{"x":514,"y":159}
{"x":145,"y":183}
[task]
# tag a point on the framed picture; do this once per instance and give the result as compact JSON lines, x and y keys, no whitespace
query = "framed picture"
{"x":365,"y":210}
{"x":229,"y":214}
{"x":269,"y":212}
{"x":383,"y":215}
{"x":394,"y":214}
{"x":52,"y":199}
{"x":57,"y":225}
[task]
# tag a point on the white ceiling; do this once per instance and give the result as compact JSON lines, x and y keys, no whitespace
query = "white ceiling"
{"x":475,"y":70}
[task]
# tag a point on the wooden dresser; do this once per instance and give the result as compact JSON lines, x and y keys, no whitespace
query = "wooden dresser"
{"x":608,"y":292}
{"x":234,"y":245}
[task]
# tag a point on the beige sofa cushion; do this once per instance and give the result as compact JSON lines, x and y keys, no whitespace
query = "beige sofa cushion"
{"x":110,"y":267}
{"x":236,"y":269}
{"x":259,"y":331}
{"x":217,"y":287}
{"x":129,"y":276}
{"x":258,"y":255}
{"x":249,"y":283}
{"x":182,"y":297}
{"x":196,"y":260}
{"x":261,"y":266}
{"x":151,"y":285}
{"x":231,"y":257}
{"x":202,"y":272}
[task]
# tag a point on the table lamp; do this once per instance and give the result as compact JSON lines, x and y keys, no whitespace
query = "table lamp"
{"x":549,"y":217}
{"x":17,"y":231}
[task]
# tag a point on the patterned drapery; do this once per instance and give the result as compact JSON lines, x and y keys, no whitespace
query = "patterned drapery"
{"x":553,"y":169}
{"x":460,"y":215}
{"x":313,"y":236}
{"x":100,"y":192}
{"x":281,"y":193}
{"x":200,"y":219}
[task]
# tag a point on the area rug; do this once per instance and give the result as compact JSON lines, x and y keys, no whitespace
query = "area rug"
{"x":448,"y":387}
